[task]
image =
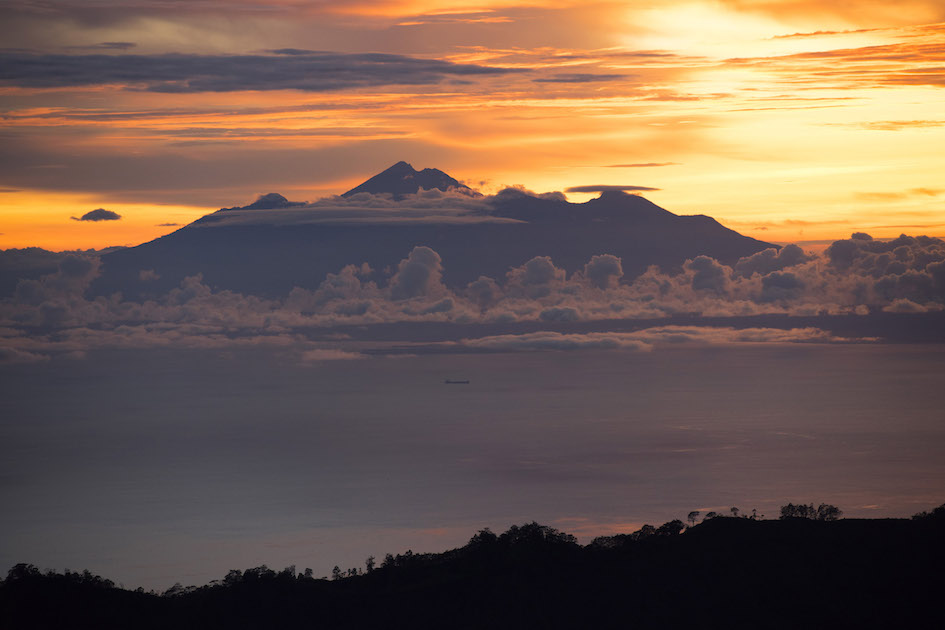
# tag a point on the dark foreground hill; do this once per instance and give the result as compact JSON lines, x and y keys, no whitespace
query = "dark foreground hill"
{"x":723,"y":573}
{"x":273,"y":245}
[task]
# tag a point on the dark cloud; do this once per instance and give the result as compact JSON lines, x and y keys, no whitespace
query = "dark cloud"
{"x":106,"y":46}
{"x":602,"y":188}
{"x":300,"y":70}
{"x":99,"y":214}
{"x":167,"y":225}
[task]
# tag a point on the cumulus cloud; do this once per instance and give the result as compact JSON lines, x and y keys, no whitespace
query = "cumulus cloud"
{"x":603,"y":271}
{"x":708,"y":274}
{"x":99,"y":214}
{"x":418,"y":275}
{"x":769,"y":260}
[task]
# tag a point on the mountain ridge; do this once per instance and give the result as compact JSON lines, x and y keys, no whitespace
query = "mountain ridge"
{"x":248,"y":250}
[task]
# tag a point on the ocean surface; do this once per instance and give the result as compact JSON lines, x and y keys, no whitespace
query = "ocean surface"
{"x":168,"y":466}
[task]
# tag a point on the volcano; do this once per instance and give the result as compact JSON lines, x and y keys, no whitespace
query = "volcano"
{"x":272,"y":245}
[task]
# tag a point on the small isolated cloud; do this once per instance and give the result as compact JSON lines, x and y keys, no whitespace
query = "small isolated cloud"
{"x":609,"y":188}
{"x":167,"y":225}
{"x":99,"y":214}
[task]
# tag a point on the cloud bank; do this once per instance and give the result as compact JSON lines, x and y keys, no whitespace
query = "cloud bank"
{"x":51,"y":314}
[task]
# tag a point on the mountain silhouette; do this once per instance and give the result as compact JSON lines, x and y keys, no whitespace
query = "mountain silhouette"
{"x":249,"y":253}
{"x":402,"y":179}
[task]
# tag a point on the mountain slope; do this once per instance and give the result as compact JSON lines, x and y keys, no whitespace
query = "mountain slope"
{"x":268,"y":252}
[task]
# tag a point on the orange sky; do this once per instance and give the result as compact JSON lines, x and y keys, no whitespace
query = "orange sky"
{"x":786,"y":120}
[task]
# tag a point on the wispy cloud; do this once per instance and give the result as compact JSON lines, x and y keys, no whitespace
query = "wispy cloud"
{"x":307,"y":71}
{"x":600,"y":188}
{"x":642,"y":165}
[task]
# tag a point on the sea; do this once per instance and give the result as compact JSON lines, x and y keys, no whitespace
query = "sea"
{"x":176,"y":465}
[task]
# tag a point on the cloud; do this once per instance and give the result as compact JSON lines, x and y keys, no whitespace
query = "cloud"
{"x":13,"y":355}
{"x":603,"y":271}
{"x":642,"y":165}
{"x":769,"y":260}
{"x":419,"y":274}
{"x":643,"y":340}
{"x":609,"y":188}
{"x":896,"y":196}
{"x":51,"y":315}
{"x":544,"y":341}
{"x":328,"y":354}
{"x":99,"y":214}
{"x":427,"y":207}
{"x":184,"y":73}
{"x":581,"y":77}
{"x":708,"y":274}
{"x":106,"y":46}
{"x":915,"y":59}
{"x":897,"y":125}
{"x":825,"y":33}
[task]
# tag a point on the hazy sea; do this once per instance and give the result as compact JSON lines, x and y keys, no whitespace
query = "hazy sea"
{"x":177,"y":465}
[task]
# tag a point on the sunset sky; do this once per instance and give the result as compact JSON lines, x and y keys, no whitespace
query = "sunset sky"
{"x":787,"y":120}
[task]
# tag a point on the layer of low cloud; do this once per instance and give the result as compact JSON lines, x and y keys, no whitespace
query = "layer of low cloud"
{"x":855,"y":276}
{"x":602,"y":188}
{"x":427,"y":206}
